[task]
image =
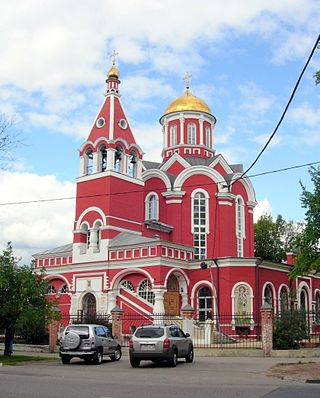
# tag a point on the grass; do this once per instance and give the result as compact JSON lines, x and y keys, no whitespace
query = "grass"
{"x":14,"y":359}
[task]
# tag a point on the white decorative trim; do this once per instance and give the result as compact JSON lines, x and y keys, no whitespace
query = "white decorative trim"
{"x":88,"y":210}
{"x":111,"y":173}
{"x":147,"y":204}
{"x":274,"y":294}
{"x":225,"y":203}
{"x":245,"y":181}
{"x":155,"y":173}
{"x":111,"y":125}
{"x":195,"y":170}
{"x":223,"y":163}
{"x":207,"y":197}
{"x":174,"y":158}
{"x":173,"y":194}
{"x":279,"y":293}
{"x":171,"y":201}
{"x":115,"y":283}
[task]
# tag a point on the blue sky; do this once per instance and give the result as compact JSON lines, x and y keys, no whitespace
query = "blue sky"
{"x":244,"y":57}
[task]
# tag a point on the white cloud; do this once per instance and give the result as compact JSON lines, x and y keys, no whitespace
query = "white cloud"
{"x":255,"y":100}
{"x":263,"y":138}
{"x":305,"y":114}
{"x":262,"y":208}
{"x":150,"y":137}
{"x":35,"y":226}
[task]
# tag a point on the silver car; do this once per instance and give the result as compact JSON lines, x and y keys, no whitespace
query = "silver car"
{"x":88,"y":342}
{"x":160,"y":343}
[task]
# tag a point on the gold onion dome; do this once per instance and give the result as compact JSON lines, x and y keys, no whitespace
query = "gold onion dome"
{"x":188,"y":102}
{"x":113,"y":72}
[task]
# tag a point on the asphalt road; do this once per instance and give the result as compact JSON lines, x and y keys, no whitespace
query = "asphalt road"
{"x":206,"y":377}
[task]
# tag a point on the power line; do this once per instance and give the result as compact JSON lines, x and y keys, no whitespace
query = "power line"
{"x":160,"y":190}
{"x":283,"y":113}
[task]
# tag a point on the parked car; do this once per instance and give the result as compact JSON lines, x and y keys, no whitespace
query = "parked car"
{"x":88,"y":342}
{"x":160,"y":343}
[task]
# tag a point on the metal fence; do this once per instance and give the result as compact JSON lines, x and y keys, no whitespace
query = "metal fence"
{"x":225,"y":331}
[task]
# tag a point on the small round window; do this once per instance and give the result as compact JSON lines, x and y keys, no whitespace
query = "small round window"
{"x":123,"y":124}
{"x":100,"y":122}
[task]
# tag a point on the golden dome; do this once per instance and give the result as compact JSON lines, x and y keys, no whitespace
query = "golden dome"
{"x":113,"y":72}
{"x":188,"y":102}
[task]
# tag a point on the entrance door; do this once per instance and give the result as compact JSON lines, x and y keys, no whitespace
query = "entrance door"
{"x":172,"y":297}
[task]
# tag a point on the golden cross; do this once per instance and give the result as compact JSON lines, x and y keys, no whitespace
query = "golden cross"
{"x":187,"y":78}
{"x":113,"y":57}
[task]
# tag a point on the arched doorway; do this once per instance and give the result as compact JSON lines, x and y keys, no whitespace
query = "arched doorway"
{"x":172,"y":297}
{"x":89,"y":305}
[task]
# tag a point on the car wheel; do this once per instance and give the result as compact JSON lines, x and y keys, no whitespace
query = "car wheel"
{"x":98,"y":358}
{"x":87,"y":360}
{"x":134,"y":362}
{"x":190,"y":356}
{"x":65,"y":359}
{"x":174,"y":359}
{"x":117,"y":355}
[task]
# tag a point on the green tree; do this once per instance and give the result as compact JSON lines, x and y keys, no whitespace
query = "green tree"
{"x":23,"y":300}
{"x":317,"y":74}
{"x":308,"y":242}
{"x":273,"y":239}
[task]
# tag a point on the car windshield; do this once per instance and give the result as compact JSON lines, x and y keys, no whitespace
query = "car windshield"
{"x":149,"y":333}
{"x":82,"y":331}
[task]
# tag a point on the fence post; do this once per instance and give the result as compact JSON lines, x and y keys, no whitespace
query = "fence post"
{"x":117,"y":314}
{"x":267,"y":328}
{"x":187,"y":313}
{"x":53,"y":335}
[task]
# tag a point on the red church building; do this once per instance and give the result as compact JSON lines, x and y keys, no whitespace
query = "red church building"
{"x":152,"y":238}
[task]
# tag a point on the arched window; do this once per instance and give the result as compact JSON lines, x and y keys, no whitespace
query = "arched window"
{"x":208,"y":136}
{"x":89,"y":161}
{"x":303,"y":300}
{"x":51,"y":289}
{"x":132,"y":169}
{"x":85,"y":230}
{"x":204,"y":303}
{"x":63,"y":289}
{"x":127,"y":285}
{"x":102,"y":158}
{"x":97,"y":232}
{"x":144,"y":291}
{"x":199,"y":217}
{"x":152,"y":207}
{"x":191,"y":133}
{"x":89,"y":305}
{"x":267,"y":299}
{"x":173,"y":135}
{"x":240,"y":228}
{"x":317,"y":307}
{"x":118,"y":159}
{"x":284,"y":299}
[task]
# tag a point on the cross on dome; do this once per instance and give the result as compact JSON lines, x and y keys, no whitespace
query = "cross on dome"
{"x":187,"y":78}
{"x":113,"y":57}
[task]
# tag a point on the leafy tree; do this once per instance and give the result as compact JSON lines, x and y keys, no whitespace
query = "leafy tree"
{"x":273,"y":239}
{"x":308,"y":242}
{"x":317,"y":74}
{"x":290,"y":329}
{"x":23,"y":302}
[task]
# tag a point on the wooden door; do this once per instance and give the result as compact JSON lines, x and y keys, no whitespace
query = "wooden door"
{"x":171,"y":303}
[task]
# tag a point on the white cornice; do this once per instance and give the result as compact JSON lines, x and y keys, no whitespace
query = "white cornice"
{"x":174,"y":158}
{"x":110,"y":173}
{"x":173,"y":194}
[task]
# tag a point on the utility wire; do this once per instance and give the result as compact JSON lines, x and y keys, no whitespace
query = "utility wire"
{"x":160,"y":190}
{"x":283,"y":113}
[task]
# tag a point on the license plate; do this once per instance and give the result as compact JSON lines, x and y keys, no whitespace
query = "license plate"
{"x":148,"y":347}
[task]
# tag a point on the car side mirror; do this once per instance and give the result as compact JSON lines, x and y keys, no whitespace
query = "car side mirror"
{"x":187,"y":334}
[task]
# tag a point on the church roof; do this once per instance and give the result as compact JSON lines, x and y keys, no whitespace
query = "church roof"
{"x":128,"y":239}
{"x":65,"y":249}
{"x":151,"y":165}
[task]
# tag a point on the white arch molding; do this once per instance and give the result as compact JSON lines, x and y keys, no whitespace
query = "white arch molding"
{"x":273,"y":293}
{"x":215,"y":176}
{"x":88,"y":210}
{"x":115,"y":283}
{"x":155,"y":173}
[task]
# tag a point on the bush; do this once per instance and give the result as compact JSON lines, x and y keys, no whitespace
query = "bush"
{"x":290,"y":329}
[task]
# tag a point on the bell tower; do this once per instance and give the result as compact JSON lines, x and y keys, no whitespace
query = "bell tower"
{"x":110,"y":180}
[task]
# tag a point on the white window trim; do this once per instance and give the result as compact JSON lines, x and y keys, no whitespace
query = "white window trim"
{"x":242,"y":228}
{"x":173,"y":135}
{"x":192,"y":134}
{"x":146,"y":206}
